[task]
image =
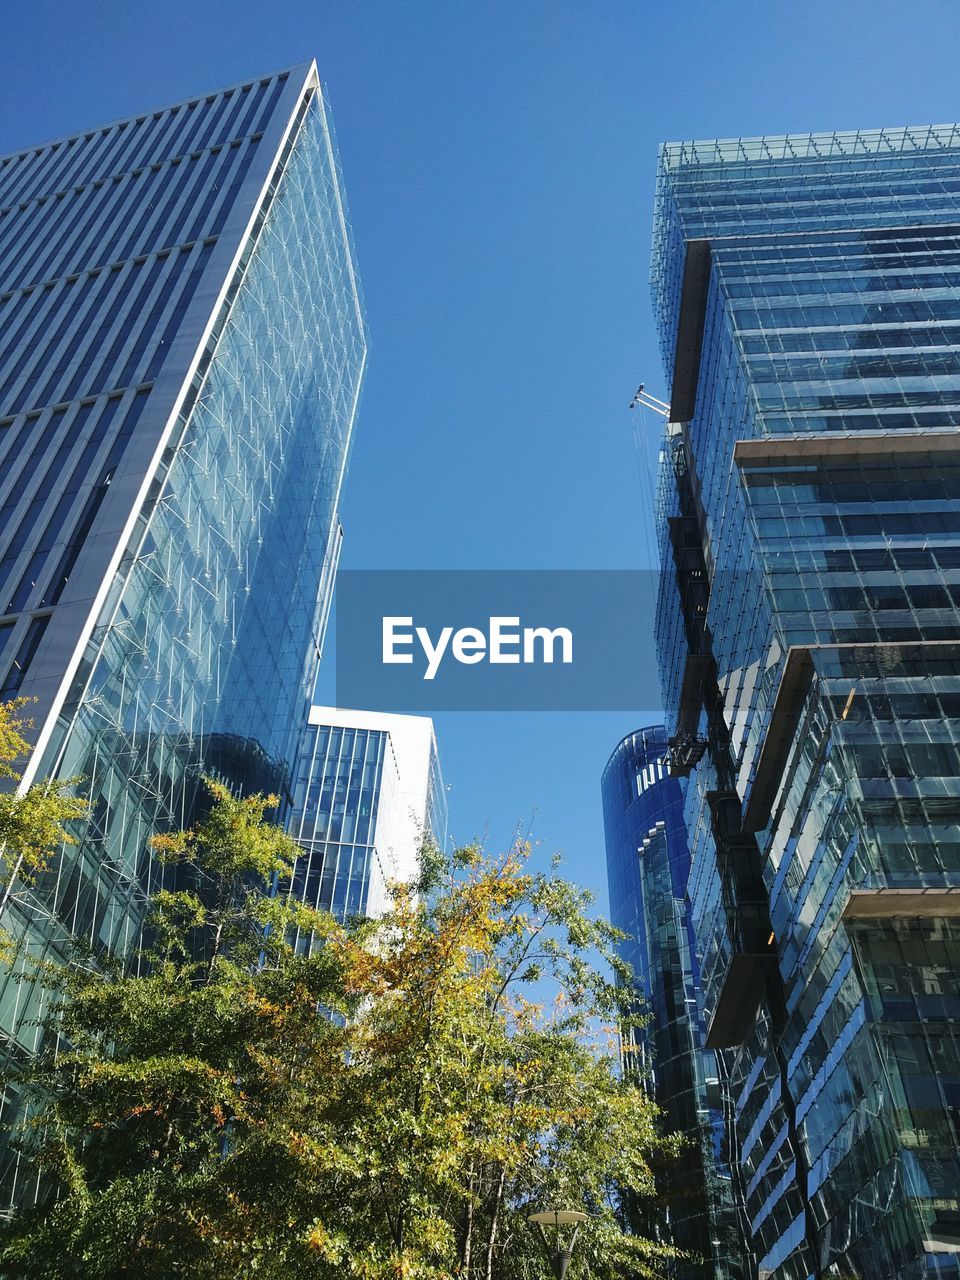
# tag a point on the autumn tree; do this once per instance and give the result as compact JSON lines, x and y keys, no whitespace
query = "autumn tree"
{"x":479,"y":1104}
{"x":278,"y":1094}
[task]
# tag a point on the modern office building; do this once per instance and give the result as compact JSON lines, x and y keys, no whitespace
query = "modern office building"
{"x":181,"y":352}
{"x":648,"y":865}
{"x":807,"y":291}
{"x":368,"y":792}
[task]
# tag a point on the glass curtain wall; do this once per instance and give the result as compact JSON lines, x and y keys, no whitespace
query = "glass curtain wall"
{"x":809,"y":495}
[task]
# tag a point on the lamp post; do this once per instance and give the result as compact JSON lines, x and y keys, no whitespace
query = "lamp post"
{"x":558,"y":1252}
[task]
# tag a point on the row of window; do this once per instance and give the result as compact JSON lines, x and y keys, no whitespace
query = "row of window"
{"x":133,"y":144}
{"x":129,"y":217}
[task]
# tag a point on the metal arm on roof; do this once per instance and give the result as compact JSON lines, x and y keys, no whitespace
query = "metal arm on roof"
{"x":647,"y":401}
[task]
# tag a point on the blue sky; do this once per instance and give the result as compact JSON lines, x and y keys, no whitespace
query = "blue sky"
{"x":499,"y":158}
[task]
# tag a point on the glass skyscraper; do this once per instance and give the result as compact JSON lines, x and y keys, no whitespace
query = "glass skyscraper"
{"x":808,"y":297}
{"x":648,"y":865}
{"x":368,"y":792}
{"x":181,"y":352}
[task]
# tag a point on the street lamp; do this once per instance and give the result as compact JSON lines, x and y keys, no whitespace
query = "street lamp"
{"x":557,"y":1252}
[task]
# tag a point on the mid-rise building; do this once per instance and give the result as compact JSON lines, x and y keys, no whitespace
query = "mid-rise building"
{"x":181,"y":352}
{"x":648,"y":864}
{"x":368,"y":792}
{"x":807,"y":291}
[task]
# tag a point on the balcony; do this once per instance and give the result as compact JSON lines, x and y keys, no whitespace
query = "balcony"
{"x":744,"y":985}
{"x":916,"y":904}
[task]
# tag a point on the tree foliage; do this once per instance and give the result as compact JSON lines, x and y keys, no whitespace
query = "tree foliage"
{"x":31,"y":824}
{"x":277,"y":1094}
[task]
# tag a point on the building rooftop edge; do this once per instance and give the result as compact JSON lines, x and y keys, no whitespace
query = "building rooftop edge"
{"x":647,"y":728}
{"x":804,"y":146}
{"x":351,"y":715}
{"x":306,"y":67}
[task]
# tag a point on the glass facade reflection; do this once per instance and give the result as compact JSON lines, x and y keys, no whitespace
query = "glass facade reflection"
{"x":181,"y":360}
{"x":808,"y":300}
{"x":648,"y":864}
{"x":368,"y":790}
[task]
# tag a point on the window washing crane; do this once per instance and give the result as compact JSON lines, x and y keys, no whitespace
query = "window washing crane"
{"x":686,"y":748}
{"x":647,"y":401}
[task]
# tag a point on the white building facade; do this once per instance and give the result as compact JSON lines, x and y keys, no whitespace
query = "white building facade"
{"x":368,"y":790}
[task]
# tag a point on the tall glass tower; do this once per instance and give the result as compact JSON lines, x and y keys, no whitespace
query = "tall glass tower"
{"x":808,"y":297}
{"x":181,"y":352}
{"x":368,"y":791}
{"x":648,"y":864}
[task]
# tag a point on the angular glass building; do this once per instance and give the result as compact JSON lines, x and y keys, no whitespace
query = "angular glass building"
{"x":368,"y":790}
{"x":648,"y":865}
{"x":808,"y":297}
{"x":181,"y":352}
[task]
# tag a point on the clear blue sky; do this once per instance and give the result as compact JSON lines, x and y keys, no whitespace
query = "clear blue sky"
{"x":499,"y":159}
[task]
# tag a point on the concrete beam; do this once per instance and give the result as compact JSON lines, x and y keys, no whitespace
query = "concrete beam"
{"x":779,"y":739}
{"x":693,"y":310}
{"x":887,"y":904}
{"x":771,"y":450}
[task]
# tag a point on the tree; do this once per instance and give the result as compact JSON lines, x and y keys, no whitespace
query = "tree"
{"x":32,"y":824}
{"x":278,"y":1094}
{"x":478,"y":1104}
